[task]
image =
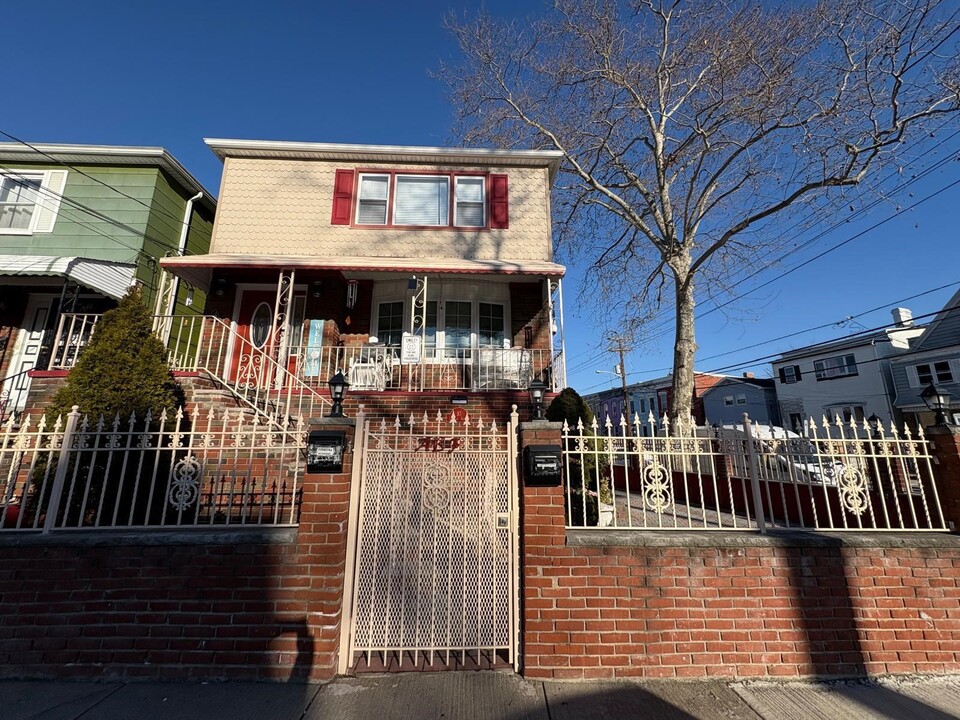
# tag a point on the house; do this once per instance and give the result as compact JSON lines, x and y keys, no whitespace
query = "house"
{"x":80,"y":224}
{"x":650,"y":398}
{"x":725,"y":402}
{"x":848,"y":378}
{"x":425,"y":275}
{"x":934,"y":358}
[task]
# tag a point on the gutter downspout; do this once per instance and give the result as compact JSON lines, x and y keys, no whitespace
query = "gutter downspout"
{"x":184,"y":231}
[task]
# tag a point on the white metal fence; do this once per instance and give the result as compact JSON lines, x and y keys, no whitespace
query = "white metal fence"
{"x":836,"y":476}
{"x":219,"y":470}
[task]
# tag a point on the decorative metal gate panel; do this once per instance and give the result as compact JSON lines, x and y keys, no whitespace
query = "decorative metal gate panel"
{"x":436,"y":553}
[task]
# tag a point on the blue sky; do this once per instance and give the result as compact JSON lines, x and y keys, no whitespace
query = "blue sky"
{"x":171,"y":73}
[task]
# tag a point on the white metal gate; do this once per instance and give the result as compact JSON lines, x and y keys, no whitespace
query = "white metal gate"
{"x":435,"y":552}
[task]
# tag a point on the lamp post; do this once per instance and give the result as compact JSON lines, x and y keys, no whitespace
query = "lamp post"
{"x":875,"y":423}
{"x":938,"y":400}
{"x":537,"y":389}
{"x":338,"y":388}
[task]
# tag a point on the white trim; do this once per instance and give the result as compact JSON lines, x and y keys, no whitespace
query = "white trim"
{"x":24,"y":176}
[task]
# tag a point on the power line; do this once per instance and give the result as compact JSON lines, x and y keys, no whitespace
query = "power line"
{"x":831,"y":249}
{"x":863,"y":211}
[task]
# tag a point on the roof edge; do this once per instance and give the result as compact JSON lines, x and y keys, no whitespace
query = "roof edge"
{"x":226,"y":147}
{"x":103,"y":154}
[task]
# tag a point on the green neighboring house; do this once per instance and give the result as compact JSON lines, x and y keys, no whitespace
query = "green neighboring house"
{"x":80,"y":224}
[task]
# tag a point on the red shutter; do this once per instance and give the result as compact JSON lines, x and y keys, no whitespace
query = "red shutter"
{"x":342,"y":197}
{"x":499,"y":206}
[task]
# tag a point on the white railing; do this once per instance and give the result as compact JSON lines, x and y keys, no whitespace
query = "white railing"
{"x":838,"y":476}
{"x":198,"y":342}
{"x":217,"y":470}
{"x":378,"y":367}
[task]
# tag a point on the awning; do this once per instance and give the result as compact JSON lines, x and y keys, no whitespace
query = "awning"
{"x":111,"y":279}
{"x":196,"y":268}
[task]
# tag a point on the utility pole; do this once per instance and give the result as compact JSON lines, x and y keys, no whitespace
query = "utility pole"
{"x":618,"y":344}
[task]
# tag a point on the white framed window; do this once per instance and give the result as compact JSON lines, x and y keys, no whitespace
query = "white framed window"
{"x":938,"y":371}
{"x":422,"y":200}
{"x":372,"y":198}
{"x":846,"y":412}
{"x":469,"y":202}
{"x":461,"y":318}
{"x":30,"y":201}
{"x":741,"y":399}
{"x":790,"y":374}
{"x":834,"y":367}
{"x":728,"y":400}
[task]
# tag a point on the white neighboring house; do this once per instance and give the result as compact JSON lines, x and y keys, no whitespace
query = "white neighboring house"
{"x":849,"y":378}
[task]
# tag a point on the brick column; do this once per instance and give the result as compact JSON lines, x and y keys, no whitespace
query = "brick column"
{"x":946,"y":448}
{"x":322,"y":550}
{"x":542,"y":541}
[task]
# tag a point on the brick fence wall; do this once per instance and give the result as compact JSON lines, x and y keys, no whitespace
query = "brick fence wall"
{"x":602,"y":604}
{"x":260,"y":604}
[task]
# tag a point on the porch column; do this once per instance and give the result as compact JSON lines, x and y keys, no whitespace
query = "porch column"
{"x":542,"y":555}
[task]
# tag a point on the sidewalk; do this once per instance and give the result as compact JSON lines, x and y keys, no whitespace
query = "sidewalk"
{"x":480,"y":696}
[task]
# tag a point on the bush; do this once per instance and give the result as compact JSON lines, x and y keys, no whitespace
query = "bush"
{"x":122,"y":370}
{"x":568,"y":406}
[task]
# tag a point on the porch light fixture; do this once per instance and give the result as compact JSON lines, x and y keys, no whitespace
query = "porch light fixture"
{"x":875,"y":424}
{"x":338,"y":388}
{"x":537,"y":389}
{"x":412,"y":284}
{"x":938,"y":400}
{"x":220,"y":287}
{"x":316,"y":288}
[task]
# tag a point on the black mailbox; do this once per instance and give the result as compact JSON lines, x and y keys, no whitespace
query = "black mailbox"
{"x":543,"y":465}
{"x":325,"y":451}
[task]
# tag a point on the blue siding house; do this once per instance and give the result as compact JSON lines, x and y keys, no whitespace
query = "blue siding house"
{"x":934,"y":357}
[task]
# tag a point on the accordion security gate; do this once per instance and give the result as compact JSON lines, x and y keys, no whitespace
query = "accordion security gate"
{"x":435,"y":558}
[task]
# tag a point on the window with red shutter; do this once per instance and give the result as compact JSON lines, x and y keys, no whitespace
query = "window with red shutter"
{"x":342,"y":197}
{"x":499,"y":206}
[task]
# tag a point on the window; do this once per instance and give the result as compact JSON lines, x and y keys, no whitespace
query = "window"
{"x":939,"y":370}
{"x":835,"y":367}
{"x":741,"y":399}
{"x":643,"y":406}
{"x":390,"y":323}
{"x":421,"y":200}
{"x":395,"y":199}
{"x":491,"y":325}
{"x":790,"y":374}
{"x":470,"y":208}
{"x":846,"y":412}
{"x":372,"y":199}
{"x":450,"y":327}
{"x":728,"y":399}
{"x":18,"y":201}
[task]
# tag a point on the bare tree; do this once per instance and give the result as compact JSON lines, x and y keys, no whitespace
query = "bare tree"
{"x":692,"y":130}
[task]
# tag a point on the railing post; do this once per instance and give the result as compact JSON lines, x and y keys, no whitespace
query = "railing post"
{"x":754,"y":466}
{"x":56,"y":343}
{"x":59,"y":479}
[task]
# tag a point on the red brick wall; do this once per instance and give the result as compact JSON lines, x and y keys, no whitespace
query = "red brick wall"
{"x":248,"y":609}
{"x":732,"y":605}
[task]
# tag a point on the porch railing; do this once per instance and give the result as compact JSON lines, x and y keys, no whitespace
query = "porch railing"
{"x":78,"y":472}
{"x":837,"y":476}
{"x":207,"y":343}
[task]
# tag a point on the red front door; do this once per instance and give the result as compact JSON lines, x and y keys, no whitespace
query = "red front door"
{"x":256,"y":346}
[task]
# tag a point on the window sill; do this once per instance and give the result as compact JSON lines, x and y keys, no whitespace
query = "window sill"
{"x":837,"y":377}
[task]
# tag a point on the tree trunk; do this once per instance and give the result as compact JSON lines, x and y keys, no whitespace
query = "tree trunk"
{"x":684,"y":349}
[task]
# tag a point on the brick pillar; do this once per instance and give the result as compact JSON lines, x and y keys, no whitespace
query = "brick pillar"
{"x":946,"y":448}
{"x":321,"y":550}
{"x":542,"y":540}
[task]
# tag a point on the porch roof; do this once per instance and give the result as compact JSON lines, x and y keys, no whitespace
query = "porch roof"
{"x":197,"y":268}
{"x":110,"y":278}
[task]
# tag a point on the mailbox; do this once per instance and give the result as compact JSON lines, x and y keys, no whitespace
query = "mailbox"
{"x":325,"y":451}
{"x":543,"y":465}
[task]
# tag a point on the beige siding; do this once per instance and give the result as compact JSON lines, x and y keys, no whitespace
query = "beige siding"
{"x":283,"y":207}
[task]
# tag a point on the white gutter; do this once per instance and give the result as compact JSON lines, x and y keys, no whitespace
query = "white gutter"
{"x":181,"y":249}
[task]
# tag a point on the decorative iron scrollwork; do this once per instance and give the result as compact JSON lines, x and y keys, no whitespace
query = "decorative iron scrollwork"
{"x":185,"y":483}
{"x":656,"y":487}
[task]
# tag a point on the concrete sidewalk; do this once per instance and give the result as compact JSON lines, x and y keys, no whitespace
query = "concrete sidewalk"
{"x":480,"y":696}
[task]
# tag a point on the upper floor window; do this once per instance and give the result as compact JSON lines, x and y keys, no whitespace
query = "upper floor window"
{"x":790,"y":374}
{"x":835,"y":367}
{"x":30,"y":201}
{"x":934,"y":372}
{"x":398,"y":199}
